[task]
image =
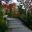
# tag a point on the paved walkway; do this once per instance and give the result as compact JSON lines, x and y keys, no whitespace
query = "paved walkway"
{"x":17,"y":24}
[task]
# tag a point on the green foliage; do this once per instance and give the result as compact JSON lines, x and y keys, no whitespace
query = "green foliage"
{"x":27,"y":18}
{"x":1,"y":15}
{"x":3,"y":25}
{"x":13,"y":14}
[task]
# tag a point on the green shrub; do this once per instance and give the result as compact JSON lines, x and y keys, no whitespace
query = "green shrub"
{"x":3,"y":25}
{"x":27,"y":18}
{"x":13,"y":14}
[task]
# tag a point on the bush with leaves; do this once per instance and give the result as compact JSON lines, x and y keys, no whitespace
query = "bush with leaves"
{"x":3,"y":25}
{"x":13,"y":14}
{"x":27,"y":18}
